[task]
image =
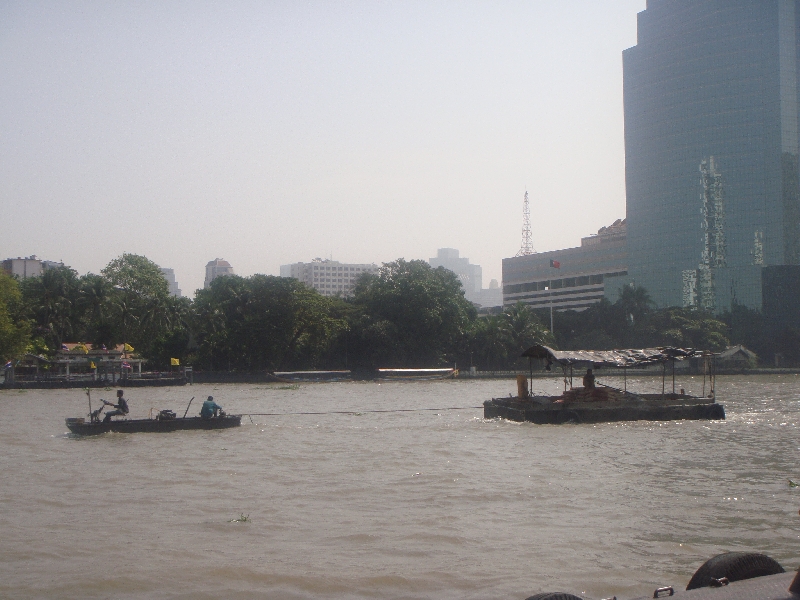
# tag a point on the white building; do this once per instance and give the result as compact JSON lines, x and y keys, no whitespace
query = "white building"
{"x":28,"y":267}
{"x":217,"y":268}
{"x":328,"y":277}
{"x":169,"y":275}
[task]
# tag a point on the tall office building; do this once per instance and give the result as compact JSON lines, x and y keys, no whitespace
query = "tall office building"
{"x":169,"y":275}
{"x":711,"y":147}
{"x":471,"y":276}
{"x":217,"y":268}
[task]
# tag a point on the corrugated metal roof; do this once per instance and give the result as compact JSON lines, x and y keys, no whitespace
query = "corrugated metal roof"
{"x":612,"y":358}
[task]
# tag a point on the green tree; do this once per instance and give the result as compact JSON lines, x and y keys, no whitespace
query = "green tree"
{"x":262,"y":322}
{"x":137,"y":275}
{"x":51,"y":303}
{"x":139,"y":301}
{"x":413,"y":315}
{"x":524,"y":329}
{"x":95,"y":305}
{"x":684,"y":327}
{"x":488,"y":343}
{"x":14,"y":328}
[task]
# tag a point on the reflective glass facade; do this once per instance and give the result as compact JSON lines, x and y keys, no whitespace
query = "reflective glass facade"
{"x":711,"y":144}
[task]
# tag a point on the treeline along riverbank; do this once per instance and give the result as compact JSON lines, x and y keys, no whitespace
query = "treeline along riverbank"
{"x":406,"y":315}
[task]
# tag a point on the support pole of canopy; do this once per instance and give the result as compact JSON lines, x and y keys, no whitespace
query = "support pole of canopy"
{"x":625,"y":377}
{"x":663,"y":377}
{"x":673,"y":376}
{"x":713,"y":375}
{"x":705,"y":370}
{"x":530,"y":379}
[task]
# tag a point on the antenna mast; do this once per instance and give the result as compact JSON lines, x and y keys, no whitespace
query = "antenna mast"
{"x":527,"y":239}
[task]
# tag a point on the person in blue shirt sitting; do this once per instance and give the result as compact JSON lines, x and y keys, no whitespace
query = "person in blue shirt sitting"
{"x":210,"y":408}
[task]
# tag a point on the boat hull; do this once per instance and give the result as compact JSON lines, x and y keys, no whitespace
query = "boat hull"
{"x":152,"y":425}
{"x":550,"y":413}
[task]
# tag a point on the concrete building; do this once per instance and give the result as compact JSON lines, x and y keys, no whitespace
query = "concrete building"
{"x":169,"y":275}
{"x":491,"y":296}
{"x":471,"y":276}
{"x":28,"y":267}
{"x":711,"y":147}
{"x":217,"y":268}
{"x":328,"y":277}
{"x":569,"y":279}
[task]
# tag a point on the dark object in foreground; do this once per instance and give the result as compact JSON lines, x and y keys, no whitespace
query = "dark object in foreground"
{"x":733,"y":566}
{"x":157,"y":425}
{"x":729,"y":576}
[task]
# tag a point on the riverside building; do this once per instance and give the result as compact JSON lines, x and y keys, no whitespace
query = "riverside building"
{"x":711,"y":149}
{"x":569,"y":279}
{"x":328,"y":277}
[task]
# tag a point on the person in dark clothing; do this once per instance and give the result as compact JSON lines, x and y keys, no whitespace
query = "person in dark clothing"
{"x":210,"y":408}
{"x":121,"y":407}
{"x":588,"y":379}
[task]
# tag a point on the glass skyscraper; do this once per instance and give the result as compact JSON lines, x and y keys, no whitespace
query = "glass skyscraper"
{"x":711,"y":145}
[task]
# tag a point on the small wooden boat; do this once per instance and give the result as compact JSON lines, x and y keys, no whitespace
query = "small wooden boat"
{"x":415,"y":374}
{"x":156,"y":425}
{"x":605,"y":404}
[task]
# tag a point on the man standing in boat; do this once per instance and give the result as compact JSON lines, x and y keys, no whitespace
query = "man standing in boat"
{"x":209,"y":408}
{"x":588,"y":379}
{"x":121,"y":407}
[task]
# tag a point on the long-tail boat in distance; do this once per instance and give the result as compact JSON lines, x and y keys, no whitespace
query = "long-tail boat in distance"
{"x":164,"y":421}
{"x":598,"y":403}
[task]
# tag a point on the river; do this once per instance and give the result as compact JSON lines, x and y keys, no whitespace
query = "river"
{"x":414,"y":504}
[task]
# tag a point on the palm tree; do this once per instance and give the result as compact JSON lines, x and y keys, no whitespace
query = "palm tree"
{"x":524,"y":329}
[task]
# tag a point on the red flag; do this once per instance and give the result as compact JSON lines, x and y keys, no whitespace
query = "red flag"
{"x":555,"y":264}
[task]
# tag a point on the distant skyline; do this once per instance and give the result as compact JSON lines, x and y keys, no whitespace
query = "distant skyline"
{"x":274,"y":133}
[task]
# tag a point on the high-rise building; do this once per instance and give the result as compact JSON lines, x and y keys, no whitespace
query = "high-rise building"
{"x":328,"y":277}
{"x":471,"y":276}
{"x":169,"y":275}
{"x":217,"y":268}
{"x":711,"y":149}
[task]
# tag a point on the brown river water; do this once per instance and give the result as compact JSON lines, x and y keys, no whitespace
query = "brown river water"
{"x":415,"y":504}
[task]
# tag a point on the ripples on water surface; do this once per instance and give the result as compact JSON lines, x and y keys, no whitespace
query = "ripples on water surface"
{"x":389,"y":505}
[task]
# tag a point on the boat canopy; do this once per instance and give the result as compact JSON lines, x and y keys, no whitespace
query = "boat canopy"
{"x":611,"y":358}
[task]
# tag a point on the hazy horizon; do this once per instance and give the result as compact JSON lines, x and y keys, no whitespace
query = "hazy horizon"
{"x":273,"y":133}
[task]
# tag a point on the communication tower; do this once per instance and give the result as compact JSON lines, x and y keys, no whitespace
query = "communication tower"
{"x":527,"y":239}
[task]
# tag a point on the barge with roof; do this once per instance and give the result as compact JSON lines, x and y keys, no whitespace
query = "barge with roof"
{"x":594,"y":402}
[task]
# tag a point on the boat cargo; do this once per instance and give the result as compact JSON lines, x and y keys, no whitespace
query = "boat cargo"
{"x":597,"y":403}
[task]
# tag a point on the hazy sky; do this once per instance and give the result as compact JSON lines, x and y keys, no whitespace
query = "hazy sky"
{"x":267,"y":133}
